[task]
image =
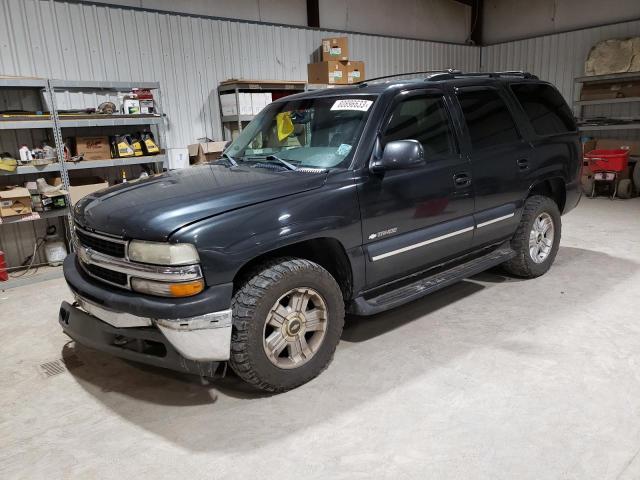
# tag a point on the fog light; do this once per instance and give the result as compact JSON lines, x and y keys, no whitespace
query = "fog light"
{"x":164,"y":289}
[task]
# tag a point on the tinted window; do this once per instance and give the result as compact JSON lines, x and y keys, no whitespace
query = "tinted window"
{"x":488,"y":119}
{"x":545,"y":107}
{"x":424,"y":119}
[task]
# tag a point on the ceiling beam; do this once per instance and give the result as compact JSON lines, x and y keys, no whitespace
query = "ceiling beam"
{"x":477,"y":17}
{"x":313,"y":13}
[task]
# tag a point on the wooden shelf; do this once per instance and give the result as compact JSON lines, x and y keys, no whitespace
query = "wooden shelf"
{"x":606,"y":101}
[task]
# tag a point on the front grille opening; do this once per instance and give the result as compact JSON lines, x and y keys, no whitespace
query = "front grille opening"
{"x":106,"y":274}
{"x":115,"y":249}
{"x":139,"y":345}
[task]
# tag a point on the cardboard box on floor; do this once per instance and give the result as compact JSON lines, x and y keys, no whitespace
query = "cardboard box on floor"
{"x":84,"y":186}
{"x":93,"y":148}
{"x":200,"y":153}
{"x":335,"y":48}
{"x":15,"y":201}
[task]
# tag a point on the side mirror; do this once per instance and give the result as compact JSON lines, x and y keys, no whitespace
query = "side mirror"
{"x":399,"y":155}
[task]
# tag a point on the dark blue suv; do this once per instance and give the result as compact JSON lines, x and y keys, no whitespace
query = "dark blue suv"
{"x":354,"y":199}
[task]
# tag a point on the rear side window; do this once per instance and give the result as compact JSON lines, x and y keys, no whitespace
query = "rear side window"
{"x":548,"y":112}
{"x":488,"y":119}
{"x":425,"y":119}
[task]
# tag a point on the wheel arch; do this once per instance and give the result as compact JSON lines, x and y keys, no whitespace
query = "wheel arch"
{"x":552,"y":187}
{"x":327,"y":252}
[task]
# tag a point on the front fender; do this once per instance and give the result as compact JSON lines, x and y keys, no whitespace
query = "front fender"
{"x":228,"y":241}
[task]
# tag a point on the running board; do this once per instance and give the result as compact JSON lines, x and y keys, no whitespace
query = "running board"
{"x":429,"y":284}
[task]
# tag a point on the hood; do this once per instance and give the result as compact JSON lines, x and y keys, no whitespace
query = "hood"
{"x":153,"y":208}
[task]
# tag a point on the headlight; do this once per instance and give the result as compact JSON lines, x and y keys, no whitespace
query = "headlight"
{"x":166,"y":289}
{"x":163,"y":253}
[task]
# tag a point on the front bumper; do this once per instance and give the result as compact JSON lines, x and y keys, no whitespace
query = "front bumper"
{"x":141,"y":344}
{"x":189,"y":327}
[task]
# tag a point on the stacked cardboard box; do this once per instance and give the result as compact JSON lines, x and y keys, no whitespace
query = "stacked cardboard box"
{"x":336,"y":68}
{"x":249,"y":103}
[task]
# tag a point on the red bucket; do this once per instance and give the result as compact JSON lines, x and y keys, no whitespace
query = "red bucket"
{"x":607,"y":160}
{"x":4,"y":276}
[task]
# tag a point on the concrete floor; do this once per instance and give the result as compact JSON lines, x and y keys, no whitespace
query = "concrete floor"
{"x":492,"y":378}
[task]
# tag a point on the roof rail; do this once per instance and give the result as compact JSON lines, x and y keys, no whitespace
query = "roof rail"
{"x":428,"y":72}
{"x":509,"y":73}
{"x":450,"y":73}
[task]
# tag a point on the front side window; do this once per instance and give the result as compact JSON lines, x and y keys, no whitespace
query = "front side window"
{"x":488,"y":119}
{"x":425,"y":119}
{"x":315,"y":132}
{"x":548,"y":112}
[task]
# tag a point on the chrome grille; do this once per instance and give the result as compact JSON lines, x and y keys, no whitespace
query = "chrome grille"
{"x":107,"y":275}
{"x":100,"y":243}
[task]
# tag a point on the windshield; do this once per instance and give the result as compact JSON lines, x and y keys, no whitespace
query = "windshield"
{"x":315,"y":132}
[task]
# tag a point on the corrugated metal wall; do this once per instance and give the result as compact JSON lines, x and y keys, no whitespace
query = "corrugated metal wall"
{"x":188,"y":55}
{"x":558,"y":58}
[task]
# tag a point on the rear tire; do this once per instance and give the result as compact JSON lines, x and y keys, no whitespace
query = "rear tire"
{"x":624,"y":188}
{"x":636,"y":176}
{"x":537,"y":238}
{"x":287,"y":322}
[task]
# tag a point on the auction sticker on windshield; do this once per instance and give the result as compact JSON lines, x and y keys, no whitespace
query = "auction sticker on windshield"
{"x":352,"y":104}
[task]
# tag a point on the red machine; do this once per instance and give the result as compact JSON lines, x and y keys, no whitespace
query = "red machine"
{"x":4,"y":276}
{"x":606,"y":166}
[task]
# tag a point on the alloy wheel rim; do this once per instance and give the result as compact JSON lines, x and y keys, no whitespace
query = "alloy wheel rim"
{"x":295,"y":328}
{"x":541,"y":238}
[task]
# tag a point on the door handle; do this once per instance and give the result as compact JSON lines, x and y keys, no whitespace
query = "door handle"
{"x":462,"y":179}
{"x":523,"y":163}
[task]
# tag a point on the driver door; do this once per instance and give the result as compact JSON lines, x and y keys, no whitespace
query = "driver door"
{"x":416,"y":218}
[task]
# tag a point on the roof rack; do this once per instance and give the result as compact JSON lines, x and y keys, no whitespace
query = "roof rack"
{"x":450,"y":73}
{"x":427,"y":72}
{"x":510,"y":73}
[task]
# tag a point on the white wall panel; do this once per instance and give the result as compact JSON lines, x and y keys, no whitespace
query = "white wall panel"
{"x":558,"y":58}
{"x":189,"y":55}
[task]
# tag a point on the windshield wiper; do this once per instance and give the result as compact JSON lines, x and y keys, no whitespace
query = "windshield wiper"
{"x":230,"y":158}
{"x":287,"y":165}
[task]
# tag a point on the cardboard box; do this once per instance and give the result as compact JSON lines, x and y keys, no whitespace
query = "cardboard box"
{"x":228,"y":104}
{"x":54,"y":201}
{"x":335,"y":48}
{"x":16,"y":201}
{"x":93,"y":148}
{"x":332,"y":72}
{"x":244,"y":99}
{"x":355,"y":71}
{"x":84,"y":186}
{"x":200,"y":153}
{"x":177,"y":158}
{"x":259,"y":101}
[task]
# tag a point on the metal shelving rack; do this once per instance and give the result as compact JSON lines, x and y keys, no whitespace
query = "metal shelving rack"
{"x":599,"y":79}
{"x":57,"y":123}
{"x":238,"y":86}
{"x":45,"y":122}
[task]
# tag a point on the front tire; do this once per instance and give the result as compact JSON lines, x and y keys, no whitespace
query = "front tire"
{"x":287,"y":322}
{"x":537,"y":238}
